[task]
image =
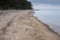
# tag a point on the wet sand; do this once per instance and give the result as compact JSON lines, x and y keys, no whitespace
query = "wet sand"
{"x":22,"y":25}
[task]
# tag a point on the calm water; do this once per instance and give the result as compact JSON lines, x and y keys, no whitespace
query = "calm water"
{"x":50,"y":17}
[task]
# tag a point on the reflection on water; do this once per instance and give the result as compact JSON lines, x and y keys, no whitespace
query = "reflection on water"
{"x":50,"y":17}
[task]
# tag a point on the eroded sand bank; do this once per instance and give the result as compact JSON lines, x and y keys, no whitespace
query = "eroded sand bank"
{"x":22,"y":25}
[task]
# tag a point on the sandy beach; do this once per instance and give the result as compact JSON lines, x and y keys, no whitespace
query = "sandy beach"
{"x":22,"y":25}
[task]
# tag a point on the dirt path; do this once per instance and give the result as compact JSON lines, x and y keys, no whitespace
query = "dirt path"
{"x":21,"y":25}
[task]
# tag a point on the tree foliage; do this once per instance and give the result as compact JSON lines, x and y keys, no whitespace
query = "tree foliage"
{"x":15,"y":4}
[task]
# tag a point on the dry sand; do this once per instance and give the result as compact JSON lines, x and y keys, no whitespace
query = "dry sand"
{"x":22,"y":25}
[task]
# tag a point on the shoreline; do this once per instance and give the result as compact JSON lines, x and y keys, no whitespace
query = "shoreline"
{"x":22,"y":25}
{"x":44,"y":24}
{"x":47,"y":26}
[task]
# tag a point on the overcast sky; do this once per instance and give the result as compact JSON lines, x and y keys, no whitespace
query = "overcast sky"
{"x":46,"y":4}
{"x":46,"y":1}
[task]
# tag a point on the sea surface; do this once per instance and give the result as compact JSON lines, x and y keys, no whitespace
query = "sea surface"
{"x":50,"y":17}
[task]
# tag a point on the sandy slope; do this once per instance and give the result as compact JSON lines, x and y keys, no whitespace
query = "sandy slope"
{"x":21,"y":25}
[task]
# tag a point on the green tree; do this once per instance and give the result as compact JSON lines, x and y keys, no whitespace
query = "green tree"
{"x":15,"y":4}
